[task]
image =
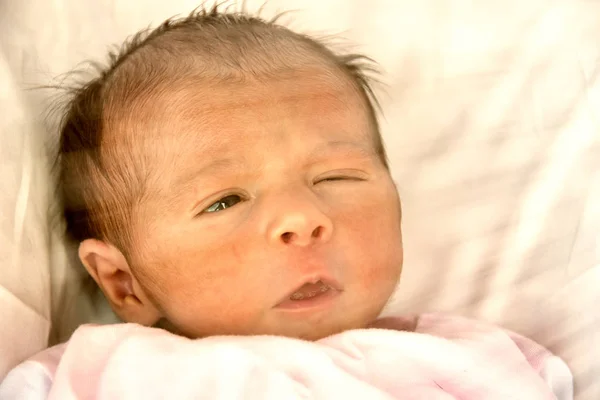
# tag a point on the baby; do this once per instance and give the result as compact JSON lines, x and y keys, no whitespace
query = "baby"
{"x":227,"y":176}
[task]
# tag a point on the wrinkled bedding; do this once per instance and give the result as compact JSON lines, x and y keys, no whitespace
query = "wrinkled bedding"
{"x":429,"y":357}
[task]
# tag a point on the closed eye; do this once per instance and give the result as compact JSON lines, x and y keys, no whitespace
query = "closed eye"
{"x":337,"y":178}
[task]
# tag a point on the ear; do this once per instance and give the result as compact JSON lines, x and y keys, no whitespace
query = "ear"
{"x":109,"y":268}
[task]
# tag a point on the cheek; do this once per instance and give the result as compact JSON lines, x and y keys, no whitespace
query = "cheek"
{"x":183,"y":266}
{"x":207,"y":281}
{"x":375,"y":241}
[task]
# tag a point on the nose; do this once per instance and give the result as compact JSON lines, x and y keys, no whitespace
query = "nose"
{"x":296,"y":220}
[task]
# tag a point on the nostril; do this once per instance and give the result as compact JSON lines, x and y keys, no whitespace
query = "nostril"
{"x":290,"y":236}
{"x":317,"y":232}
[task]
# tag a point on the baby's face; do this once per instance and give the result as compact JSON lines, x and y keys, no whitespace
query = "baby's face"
{"x":257,"y":189}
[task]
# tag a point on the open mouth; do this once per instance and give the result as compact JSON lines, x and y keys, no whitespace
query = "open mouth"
{"x":310,"y":290}
{"x":310,"y":295}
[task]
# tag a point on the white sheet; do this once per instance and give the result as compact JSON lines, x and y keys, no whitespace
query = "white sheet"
{"x":432,"y":357}
{"x":493,"y":129}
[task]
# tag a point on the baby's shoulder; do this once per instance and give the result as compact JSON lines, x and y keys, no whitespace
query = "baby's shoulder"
{"x":33,"y":378}
{"x":488,"y":337}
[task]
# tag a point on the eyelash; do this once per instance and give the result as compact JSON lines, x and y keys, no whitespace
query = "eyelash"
{"x":339,"y":178}
{"x":328,"y":179}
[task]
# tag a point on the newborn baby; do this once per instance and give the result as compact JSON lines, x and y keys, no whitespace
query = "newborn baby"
{"x":226,"y":176}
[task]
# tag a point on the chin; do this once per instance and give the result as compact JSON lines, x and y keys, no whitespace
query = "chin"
{"x":315,"y":333}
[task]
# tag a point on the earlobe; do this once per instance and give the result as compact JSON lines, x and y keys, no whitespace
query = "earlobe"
{"x":110,"y":269}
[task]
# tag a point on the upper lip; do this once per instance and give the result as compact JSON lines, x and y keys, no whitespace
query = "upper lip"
{"x":326,"y":279}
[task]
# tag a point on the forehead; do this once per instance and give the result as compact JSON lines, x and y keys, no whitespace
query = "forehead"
{"x":300,"y":104}
{"x":292,"y":113}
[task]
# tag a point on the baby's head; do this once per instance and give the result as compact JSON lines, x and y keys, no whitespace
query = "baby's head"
{"x":227,"y":176}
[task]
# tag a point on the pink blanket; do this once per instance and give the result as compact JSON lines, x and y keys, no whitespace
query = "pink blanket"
{"x":429,"y":357}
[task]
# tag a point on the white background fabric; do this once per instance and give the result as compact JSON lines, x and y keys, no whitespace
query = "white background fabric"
{"x":492,"y":122}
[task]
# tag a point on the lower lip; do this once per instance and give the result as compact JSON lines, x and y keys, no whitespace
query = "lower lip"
{"x":311,"y":304}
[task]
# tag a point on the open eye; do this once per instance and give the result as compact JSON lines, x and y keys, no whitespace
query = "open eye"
{"x":226,"y":202}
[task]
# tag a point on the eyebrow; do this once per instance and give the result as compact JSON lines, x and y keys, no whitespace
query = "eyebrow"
{"x":227,"y":164}
{"x":346,"y":148}
{"x":341,"y":146}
